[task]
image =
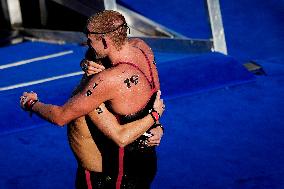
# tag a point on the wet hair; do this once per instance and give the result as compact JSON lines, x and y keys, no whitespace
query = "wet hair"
{"x":109,"y":23}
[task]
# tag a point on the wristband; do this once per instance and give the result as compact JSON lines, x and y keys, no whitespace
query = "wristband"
{"x":29,"y":104}
{"x":155,"y":115}
{"x":160,"y":125}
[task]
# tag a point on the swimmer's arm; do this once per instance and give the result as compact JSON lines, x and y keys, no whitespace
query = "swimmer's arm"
{"x":123,"y":135}
{"x":120,"y":134}
{"x":98,"y":90}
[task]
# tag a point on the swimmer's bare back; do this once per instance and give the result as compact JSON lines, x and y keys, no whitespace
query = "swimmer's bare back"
{"x":132,"y":84}
{"x":84,"y":146}
{"x":123,"y":86}
{"x":81,"y":140}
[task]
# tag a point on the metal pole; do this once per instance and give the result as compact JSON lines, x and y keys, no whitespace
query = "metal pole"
{"x":219,"y":41}
{"x":12,"y":11}
{"x":43,"y":12}
{"x":110,"y":5}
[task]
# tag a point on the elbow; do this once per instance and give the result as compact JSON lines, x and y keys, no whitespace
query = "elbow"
{"x":121,"y":143}
{"x":121,"y":138}
{"x":60,"y":121}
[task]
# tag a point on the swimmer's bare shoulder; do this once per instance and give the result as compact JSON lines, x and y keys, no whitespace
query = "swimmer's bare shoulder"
{"x":108,"y":84}
{"x":124,"y":83}
{"x":144,"y":46}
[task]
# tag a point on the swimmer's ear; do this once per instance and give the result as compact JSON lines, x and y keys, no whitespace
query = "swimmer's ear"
{"x":104,"y":43}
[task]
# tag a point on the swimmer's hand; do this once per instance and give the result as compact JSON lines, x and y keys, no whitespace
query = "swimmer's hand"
{"x":27,"y":100}
{"x":91,"y":67}
{"x":159,"y":105}
{"x":157,"y":132}
{"x":155,"y":140}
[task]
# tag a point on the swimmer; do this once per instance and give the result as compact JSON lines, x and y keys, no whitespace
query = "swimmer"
{"x":127,"y":89}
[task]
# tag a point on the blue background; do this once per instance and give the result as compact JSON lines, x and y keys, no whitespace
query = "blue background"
{"x":224,"y":127}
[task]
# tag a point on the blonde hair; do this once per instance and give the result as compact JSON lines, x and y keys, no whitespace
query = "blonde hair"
{"x":109,"y":23}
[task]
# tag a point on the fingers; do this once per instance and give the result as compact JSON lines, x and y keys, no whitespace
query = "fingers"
{"x":92,"y":71}
{"x":91,"y":67}
{"x":159,"y":94}
{"x":95,"y":65}
{"x":157,"y":134}
{"x":27,"y":96}
{"x":23,"y":100}
{"x":31,"y":95}
{"x":159,"y":105}
{"x":154,"y":138}
{"x":153,"y":143}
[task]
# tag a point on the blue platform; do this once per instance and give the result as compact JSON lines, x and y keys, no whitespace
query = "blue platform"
{"x":179,"y":77}
{"x":224,"y":128}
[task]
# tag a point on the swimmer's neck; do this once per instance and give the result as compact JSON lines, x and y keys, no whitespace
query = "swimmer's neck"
{"x":125,"y":54}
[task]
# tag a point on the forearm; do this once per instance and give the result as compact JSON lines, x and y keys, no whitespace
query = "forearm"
{"x":120,"y":134}
{"x":133,"y":130}
{"x":127,"y":133}
{"x":50,"y":113}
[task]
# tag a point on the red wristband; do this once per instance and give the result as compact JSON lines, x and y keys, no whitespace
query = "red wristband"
{"x":29,"y":104}
{"x":155,"y":115}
